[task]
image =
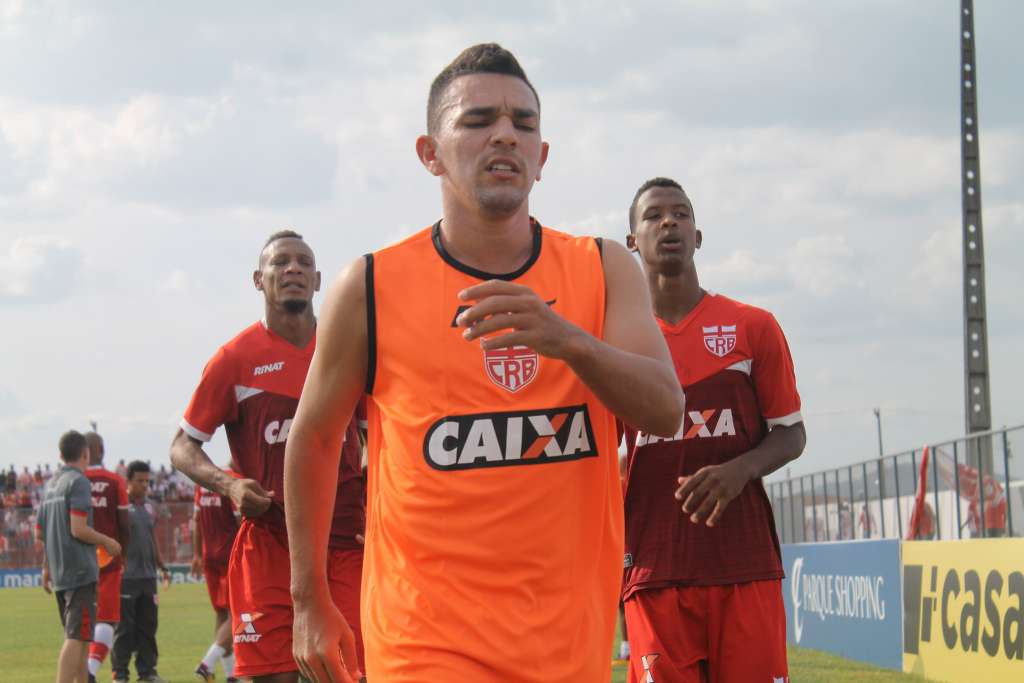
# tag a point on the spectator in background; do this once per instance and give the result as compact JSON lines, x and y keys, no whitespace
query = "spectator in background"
{"x":136,"y":632}
{"x":121,"y":468}
{"x":70,"y":559}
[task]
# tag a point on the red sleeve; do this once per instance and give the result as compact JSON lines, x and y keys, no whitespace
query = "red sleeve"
{"x":122,"y":493}
{"x":213,"y":402}
{"x":360,"y":415}
{"x":774,"y":375}
{"x":198,"y":492}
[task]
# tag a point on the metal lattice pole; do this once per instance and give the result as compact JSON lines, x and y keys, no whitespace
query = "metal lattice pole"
{"x":976,"y":370}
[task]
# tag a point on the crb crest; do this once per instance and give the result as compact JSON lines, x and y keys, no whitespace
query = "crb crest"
{"x":512,"y":368}
{"x":720,"y":339}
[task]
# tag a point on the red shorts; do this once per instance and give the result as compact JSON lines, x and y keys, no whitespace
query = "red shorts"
{"x":216,"y":576}
{"x":108,"y":596}
{"x":261,"y":602}
{"x":699,"y":634}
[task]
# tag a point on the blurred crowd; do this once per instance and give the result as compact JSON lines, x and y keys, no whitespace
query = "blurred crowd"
{"x":21,"y":492}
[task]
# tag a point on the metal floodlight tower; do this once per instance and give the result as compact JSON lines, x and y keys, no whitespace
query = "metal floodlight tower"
{"x":976,"y":372}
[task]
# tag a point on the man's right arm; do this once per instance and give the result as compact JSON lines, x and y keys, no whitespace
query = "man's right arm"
{"x":336,"y":380}
{"x":188,"y":456}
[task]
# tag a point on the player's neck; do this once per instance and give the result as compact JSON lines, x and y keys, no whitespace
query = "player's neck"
{"x":674,"y":296}
{"x":295,"y":328}
{"x":488,"y":243}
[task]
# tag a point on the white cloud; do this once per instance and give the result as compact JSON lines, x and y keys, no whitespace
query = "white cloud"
{"x":39,"y":269}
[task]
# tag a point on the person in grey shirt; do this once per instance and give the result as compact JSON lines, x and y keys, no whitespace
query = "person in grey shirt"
{"x":69,"y":562}
{"x":136,"y":632}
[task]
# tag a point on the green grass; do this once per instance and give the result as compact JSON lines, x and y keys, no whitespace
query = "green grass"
{"x":31,"y":636}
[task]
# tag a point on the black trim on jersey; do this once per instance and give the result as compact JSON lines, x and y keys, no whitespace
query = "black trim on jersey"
{"x":600,"y":246}
{"x":371,"y":327}
{"x":435,"y":235}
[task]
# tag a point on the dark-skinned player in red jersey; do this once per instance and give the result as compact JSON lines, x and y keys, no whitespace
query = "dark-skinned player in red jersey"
{"x":214,"y":527}
{"x":110,"y":517}
{"x":703,"y":569}
{"x":252,"y":387}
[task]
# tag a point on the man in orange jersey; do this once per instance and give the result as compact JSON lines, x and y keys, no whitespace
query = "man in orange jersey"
{"x":251,"y":386}
{"x":496,"y":354}
{"x":702,"y":585}
{"x":109,"y":517}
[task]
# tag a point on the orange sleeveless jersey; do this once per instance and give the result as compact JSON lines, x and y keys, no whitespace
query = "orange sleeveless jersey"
{"x":494,"y":512}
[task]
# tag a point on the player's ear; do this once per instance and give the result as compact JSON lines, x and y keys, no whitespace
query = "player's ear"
{"x":426,"y":150}
{"x":316,"y":282}
{"x":257,"y":279}
{"x":631,"y":241}
{"x":544,"y":149}
{"x":700,"y":238}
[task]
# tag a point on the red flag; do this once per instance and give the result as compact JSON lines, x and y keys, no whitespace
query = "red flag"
{"x":918,"y":515}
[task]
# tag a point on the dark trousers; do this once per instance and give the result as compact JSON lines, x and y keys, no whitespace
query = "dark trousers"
{"x":136,"y":632}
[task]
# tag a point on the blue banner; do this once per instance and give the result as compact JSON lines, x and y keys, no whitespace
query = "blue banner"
{"x":844,"y":598}
{"x":28,"y":578}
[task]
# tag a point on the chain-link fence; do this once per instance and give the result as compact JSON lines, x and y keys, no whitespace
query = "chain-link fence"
{"x":971,"y":487}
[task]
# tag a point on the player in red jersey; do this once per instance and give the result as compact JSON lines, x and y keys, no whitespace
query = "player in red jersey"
{"x":110,"y":517}
{"x":252,"y":386}
{"x":702,"y":585}
{"x":214,"y":527}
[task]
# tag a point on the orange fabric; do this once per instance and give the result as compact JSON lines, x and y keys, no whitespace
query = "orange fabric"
{"x":707,"y":634}
{"x":108,"y":596}
{"x":494,"y":510}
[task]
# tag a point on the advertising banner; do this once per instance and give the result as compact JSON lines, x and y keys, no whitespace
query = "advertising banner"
{"x":845,"y":598}
{"x":26,"y":578}
{"x":963,"y":605}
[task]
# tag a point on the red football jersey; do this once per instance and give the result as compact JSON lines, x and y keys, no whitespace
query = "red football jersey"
{"x":252,"y":387}
{"x":109,"y":494}
{"x":217,"y":523}
{"x":736,"y":369}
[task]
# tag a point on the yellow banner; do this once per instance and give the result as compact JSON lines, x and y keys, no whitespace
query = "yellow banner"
{"x":963,"y":609}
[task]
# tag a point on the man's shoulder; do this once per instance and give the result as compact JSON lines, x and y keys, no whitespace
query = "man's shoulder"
{"x":419,"y":239}
{"x":243,"y":345}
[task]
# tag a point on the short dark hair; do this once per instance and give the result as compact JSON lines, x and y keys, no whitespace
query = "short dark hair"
{"x":136,"y":466}
{"x":71,"y":444}
{"x":659,"y":181}
{"x":279,"y":235}
{"x":485,"y":58}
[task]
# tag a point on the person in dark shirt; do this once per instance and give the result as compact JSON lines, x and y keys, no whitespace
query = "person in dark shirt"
{"x":136,"y":632}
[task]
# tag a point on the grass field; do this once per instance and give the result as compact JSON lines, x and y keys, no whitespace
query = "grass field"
{"x":30,"y":634}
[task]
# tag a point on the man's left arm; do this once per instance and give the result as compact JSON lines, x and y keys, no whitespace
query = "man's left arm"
{"x":629,"y":370}
{"x":165,"y":573}
{"x":707,"y":493}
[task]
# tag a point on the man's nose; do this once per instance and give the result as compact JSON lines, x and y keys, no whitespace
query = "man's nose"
{"x":504,"y":132}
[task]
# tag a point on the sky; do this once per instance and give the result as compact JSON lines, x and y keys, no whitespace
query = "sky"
{"x":147,"y":149}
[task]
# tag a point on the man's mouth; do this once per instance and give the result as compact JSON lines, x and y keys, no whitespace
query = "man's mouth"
{"x":503,"y":167}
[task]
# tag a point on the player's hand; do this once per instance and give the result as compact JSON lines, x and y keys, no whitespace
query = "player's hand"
{"x":516,"y":309}
{"x":165,"y":577}
{"x":46,"y":580}
{"x":249,"y":498}
{"x":708,"y":491}
{"x":323,"y":645}
{"x":360,"y":539}
{"x":197,"y":566}
{"x":112,"y":547}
